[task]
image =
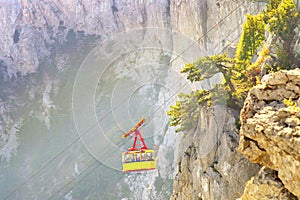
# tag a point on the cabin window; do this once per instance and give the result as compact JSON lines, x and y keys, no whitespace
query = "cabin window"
{"x":126,"y":158}
{"x":132,"y":157}
{"x":143,"y":156}
{"x":149,"y":156}
{"x":138,"y":157}
{"x":129,"y":158}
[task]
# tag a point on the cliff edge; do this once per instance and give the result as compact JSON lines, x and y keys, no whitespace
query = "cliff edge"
{"x":269,"y":136}
{"x":209,"y":166}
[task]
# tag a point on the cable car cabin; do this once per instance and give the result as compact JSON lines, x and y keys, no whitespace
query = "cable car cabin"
{"x":138,"y":157}
{"x":134,"y":161}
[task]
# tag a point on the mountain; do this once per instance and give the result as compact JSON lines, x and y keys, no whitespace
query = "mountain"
{"x":77,"y":74}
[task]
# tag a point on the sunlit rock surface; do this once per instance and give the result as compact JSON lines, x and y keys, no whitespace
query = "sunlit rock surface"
{"x":270,"y":129}
{"x":266,"y":185}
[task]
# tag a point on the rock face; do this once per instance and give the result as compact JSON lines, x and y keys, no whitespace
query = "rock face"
{"x":209,"y":166}
{"x":32,"y":33}
{"x":270,"y":128}
{"x":266,"y":185}
{"x":31,"y":29}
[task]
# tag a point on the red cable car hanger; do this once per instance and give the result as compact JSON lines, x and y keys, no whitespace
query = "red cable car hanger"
{"x":137,"y":136}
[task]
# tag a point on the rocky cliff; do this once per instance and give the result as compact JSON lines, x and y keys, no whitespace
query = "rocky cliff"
{"x":31,"y":30}
{"x":270,"y":136}
{"x":42,"y":36}
{"x":210,"y":166}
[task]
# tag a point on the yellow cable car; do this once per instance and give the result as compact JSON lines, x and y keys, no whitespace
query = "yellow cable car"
{"x":138,"y":158}
{"x":138,"y":161}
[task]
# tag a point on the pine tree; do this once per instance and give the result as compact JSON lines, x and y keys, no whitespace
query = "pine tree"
{"x":283,"y":18}
{"x":241,"y":73}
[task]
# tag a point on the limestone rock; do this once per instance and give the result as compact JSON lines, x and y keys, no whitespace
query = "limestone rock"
{"x":270,"y":129}
{"x":209,"y":166}
{"x":30,"y":29}
{"x":266,"y":185}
